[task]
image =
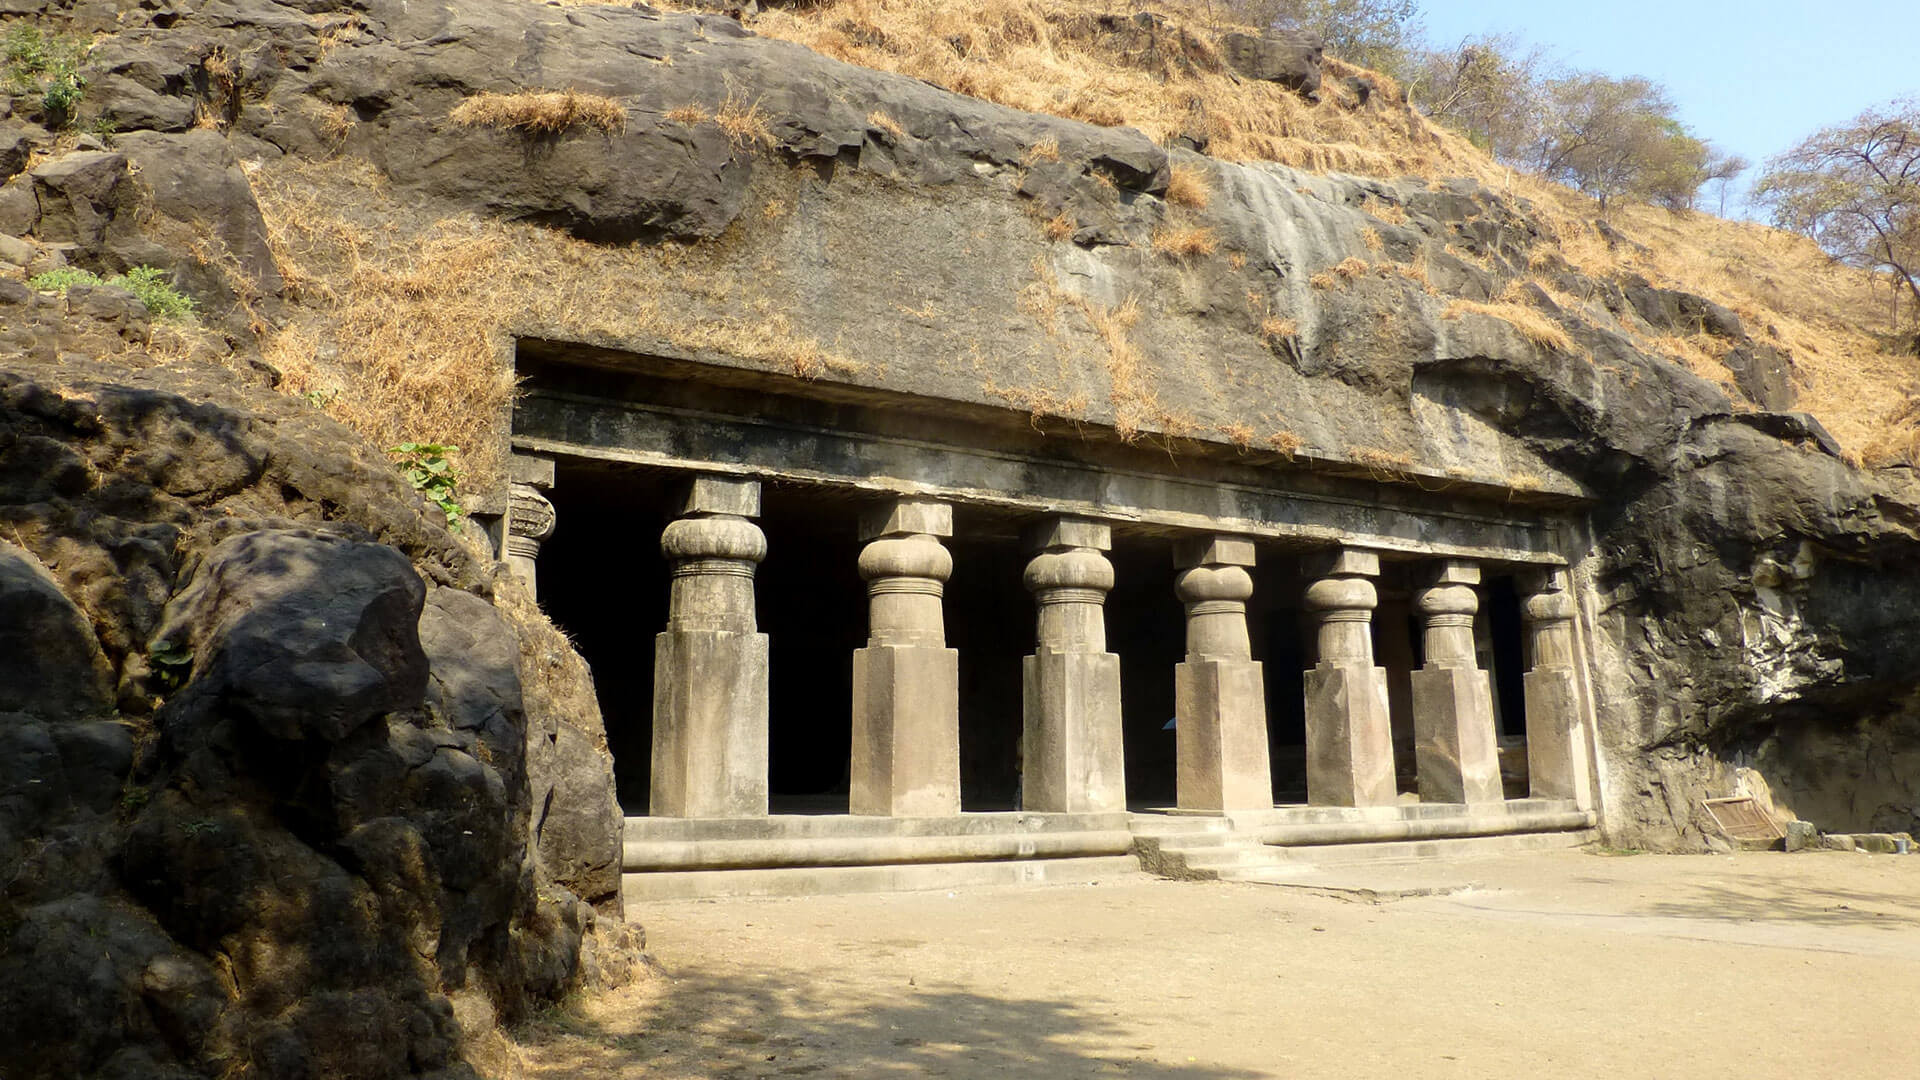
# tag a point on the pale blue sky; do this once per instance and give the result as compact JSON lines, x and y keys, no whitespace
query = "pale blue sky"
{"x":1753,"y":77}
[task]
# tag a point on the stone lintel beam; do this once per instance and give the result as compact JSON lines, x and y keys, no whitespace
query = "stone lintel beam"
{"x":1557,"y":750}
{"x":1071,"y":742}
{"x":906,"y":682}
{"x":710,"y":664}
{"x":1349,"y":740}
{"x":1456,"y":750}
{"x":1220,"y":705}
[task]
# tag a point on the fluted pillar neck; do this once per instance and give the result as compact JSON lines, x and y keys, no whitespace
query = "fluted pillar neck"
{"x":1214,"y":586}
{"x":1069,"y":577}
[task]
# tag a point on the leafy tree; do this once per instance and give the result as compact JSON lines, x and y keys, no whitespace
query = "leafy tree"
{"x":1721,"y":171}
{"x":1488,"y":87}
{"x":1379,"y":34}
{"x":1855,"y":189}
{"x":1616,"y":137}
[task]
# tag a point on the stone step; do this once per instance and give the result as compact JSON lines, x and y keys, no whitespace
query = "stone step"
{"x":749,"y":854}
{"x":647,"y":888}
{"x":805,"y":826}
{"x":1453,"y":848}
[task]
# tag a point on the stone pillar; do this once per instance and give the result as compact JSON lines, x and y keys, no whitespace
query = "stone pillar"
{"x":530,"y":518}
{"x":1220,"y":698}
{"x":710,"y":666}
{"x":906,"y":682}
{"x":1456,"y":750}
{"x":1557,"y":765}
{"x":1349,"y":741}
{"x":1071,"y":745}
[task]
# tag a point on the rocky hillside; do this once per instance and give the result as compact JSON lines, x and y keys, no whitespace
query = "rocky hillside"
{"x":369,"y":202}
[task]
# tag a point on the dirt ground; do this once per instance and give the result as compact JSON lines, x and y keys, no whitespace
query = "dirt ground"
{"x":1558,"y":964}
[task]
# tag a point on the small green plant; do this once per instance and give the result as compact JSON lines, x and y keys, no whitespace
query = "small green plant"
{"x":148,"y":283}
{"x":58,"y":281}
{"x":134,"y":798}
{"x":427,"y":468}
{"x":170,"y":664}
{"x":45,"y":64}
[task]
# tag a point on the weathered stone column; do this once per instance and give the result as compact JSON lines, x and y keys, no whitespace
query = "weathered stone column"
{"x":1557,"y":764}
{"x":1456,"y":751}
{"x":906,"y":682}
{"x":1349,"y":742}
{"x":710,"y":666}
{"x":1220,"y":698}
{"x":530,"y":517}
{"x":1071,"y":745}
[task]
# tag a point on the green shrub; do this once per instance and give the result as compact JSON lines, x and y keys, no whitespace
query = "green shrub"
{"x":45,"y":64}
{"x":426,"y":467}
{"x":149,"y":283}
{"x":58,"y":281}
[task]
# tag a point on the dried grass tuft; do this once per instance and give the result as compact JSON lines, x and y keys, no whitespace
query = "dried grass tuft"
{"x":542,"y":112}
{"x":1533,"y":325}
{"x":1185,"y":242}
{"x":1187,"y":186}
{"x":886,"y":123}
{"x":744,"y":121}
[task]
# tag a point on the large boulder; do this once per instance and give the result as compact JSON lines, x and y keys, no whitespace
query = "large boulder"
{"x":50,"y":661}
{"x":307,"y":635}
{"x":1291,"y":58}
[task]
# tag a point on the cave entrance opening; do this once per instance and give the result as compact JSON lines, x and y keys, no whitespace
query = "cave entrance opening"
{"x":604,"y":582}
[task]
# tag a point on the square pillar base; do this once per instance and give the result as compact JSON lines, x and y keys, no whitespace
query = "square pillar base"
{"x":1349,"y":742}
{"x":1071,"y":745}
{"x":1455,"y":750}
{"x":1221,"y":735}
{"x":709,"y":724}
{"x":1556,"y":750}
{"x":906,"y":731}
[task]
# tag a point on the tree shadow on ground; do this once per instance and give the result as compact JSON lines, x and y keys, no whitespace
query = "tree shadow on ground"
{"x":1788,"y":902}
{"x":700,"y":1025}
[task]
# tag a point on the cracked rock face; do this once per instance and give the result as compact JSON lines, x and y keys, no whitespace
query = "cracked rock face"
{"x":267,"y":784}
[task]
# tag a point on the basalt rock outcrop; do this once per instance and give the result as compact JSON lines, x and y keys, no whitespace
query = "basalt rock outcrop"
{"x":267,"y":775}
{"x":1756,"y":597}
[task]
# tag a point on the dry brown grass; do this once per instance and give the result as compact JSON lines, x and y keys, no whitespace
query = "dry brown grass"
{"x":887,"y":124}
{"x":541,"y":112}
{"x":1187,"y":186}
{"x":1060,"y":226}
{"x":1286,"y":442}
{"x":1278,"y":329}
{"x":744,"y":121}
{"x":335,"y":121}
{"x":1047,"y":149}
{"x":687,"y":115}
{"x":1052,"y":56}
{"x":407,"y":328}
{"x":1185,"y":241}
{"x":1340,"y":273}
{"x":1533,"y":325}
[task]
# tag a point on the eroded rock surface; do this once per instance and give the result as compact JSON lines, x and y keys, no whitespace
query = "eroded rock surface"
{"x":266,"y":783}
